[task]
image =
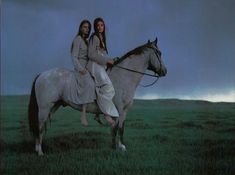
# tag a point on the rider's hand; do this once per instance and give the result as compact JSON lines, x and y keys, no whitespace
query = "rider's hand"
{"x":110,"y":62}
{"x":116,"y":60}
{"x":83,"y":72}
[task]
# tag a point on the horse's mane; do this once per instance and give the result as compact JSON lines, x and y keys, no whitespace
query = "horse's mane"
{"x":135,"y":51}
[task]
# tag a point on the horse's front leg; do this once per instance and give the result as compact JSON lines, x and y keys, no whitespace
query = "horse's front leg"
{"x":121,"y":144}
{"x":114,"y":129}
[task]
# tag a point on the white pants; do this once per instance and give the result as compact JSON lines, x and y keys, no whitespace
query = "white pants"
{"x":105,"y":96}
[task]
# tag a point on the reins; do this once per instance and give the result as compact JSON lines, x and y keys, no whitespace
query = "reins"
{"x":135,"y":71}
{"x":143,"y":73}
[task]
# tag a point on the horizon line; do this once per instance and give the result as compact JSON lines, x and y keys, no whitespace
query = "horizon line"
{"x":145,"y":97}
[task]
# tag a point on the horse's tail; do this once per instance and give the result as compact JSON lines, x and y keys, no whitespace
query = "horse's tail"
{"x":33,"y":112}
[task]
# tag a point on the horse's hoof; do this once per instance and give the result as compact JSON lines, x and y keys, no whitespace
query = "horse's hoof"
{"x":122,"y":147}
{"x":40,"y":154}
{"x":85,"y":124}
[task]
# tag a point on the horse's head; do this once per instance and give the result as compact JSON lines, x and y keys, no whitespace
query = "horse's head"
{"x":155,"y":61}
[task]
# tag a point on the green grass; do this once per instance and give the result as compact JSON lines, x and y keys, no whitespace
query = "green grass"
{"x":161,"y":136}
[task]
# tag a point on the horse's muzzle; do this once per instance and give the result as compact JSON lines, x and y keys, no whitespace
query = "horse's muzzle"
{"x":162,"y":72}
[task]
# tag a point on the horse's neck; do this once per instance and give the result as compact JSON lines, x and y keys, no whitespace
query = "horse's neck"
{"x":136,"y":63}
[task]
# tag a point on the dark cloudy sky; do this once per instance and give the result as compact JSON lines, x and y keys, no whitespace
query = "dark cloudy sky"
{"x":196,"y":37}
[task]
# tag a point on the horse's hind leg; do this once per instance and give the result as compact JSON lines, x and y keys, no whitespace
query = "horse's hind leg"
{"x":38,"y":145}
{"x":42,"y":118}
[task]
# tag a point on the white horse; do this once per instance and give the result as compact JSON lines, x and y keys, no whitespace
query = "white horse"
{"x":48,"y":87}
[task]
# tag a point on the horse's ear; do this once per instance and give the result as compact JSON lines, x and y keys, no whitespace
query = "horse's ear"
{"x":156,"y":40}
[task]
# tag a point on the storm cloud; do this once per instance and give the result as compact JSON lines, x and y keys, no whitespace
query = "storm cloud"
{"x":195,"y":37}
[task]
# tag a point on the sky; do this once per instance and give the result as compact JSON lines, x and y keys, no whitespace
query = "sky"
{"x":196,"y":38}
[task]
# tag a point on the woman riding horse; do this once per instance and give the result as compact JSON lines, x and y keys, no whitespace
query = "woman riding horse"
{"x":83,"y":89}
{"x":98,"y":60}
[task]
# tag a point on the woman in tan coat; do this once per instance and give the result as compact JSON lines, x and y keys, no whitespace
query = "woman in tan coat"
{"x":83,"y":88}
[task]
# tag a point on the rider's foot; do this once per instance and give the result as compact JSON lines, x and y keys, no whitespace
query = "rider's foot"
{"x":84,"y":120}
{"x":109,"y":120}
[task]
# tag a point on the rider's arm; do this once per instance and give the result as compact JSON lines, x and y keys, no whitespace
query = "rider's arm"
{"x":75,"y":53}
{"x":93,"y":51}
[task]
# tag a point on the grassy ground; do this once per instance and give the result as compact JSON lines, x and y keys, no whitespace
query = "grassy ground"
{"x":162,"y":137}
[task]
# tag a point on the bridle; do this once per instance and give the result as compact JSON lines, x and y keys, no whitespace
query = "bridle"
{"x":157,"y":53}
{"x":143,"y":73}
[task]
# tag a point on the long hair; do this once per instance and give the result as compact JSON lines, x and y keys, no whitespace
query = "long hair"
{"x":81,"y":34}
{"x":97,"y":33}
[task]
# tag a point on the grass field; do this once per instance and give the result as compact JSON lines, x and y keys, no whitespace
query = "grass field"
{"x":162,"y":137}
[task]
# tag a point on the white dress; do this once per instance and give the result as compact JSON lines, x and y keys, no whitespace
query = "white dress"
{"x":104,"y":88}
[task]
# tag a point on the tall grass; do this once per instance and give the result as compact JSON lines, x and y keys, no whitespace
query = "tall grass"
{"x":162,"y":137}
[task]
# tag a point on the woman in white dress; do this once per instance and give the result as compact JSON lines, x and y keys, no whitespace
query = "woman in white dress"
{"x":98,"y":60}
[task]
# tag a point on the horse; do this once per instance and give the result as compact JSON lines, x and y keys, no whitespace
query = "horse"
{"x":48,"y":87}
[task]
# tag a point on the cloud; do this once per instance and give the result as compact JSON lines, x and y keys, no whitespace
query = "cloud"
{"x":196,"y":41}
{"x":213,"y":97}
{"x":210,"y":96}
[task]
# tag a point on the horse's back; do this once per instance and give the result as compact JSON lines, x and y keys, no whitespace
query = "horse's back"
{"x":50,"y":84}
{"x":54,"y":74}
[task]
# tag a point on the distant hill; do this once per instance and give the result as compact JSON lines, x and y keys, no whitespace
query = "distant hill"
{"x":179,"y":101}
{"x":162,"y":102}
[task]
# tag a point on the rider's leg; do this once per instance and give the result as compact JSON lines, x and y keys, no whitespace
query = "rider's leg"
{"x":83,"y":116}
